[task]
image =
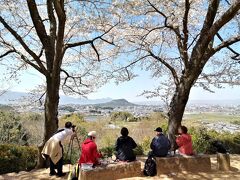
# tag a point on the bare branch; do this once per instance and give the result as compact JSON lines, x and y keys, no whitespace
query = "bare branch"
{"x":72,"y":88}
{"x":53,"y":24}
{"x":205,"y":38}
{"x":171,"y":27}
{"x":96,"y":51}
{"x":24,"y":45}
{"x":81,"y":43}
{"x":59,"y":7}
{"x":6,"y":53}
{"x":131,"y":64}
{"x":225,"y":18}
{"x":172,"y":70}
{"x":185,"y":32}
{"x":38,"y":23}
{"x":227,"y":43}
{"x":40,"y":98}
{"x":231,"y":49}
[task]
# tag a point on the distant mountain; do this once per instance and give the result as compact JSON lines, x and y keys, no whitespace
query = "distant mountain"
{"x":12,"y":97}
{"x":82,"y":101}
{"x":116,"y":103}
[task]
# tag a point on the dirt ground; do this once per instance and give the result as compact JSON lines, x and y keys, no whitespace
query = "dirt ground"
{"x":214,"y":174}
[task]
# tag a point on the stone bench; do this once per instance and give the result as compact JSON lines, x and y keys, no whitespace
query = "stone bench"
{"x":112,"y":171}
{"x":198,"y":163}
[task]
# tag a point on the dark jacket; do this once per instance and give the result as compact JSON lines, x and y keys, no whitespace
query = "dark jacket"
{"x":160,"y":145}
{"x":124,"y":147}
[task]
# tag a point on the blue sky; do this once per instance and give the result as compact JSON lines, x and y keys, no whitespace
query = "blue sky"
{"x":128,"y":90}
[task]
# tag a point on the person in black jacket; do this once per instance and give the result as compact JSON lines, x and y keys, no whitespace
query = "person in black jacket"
{"x":124,"y":147}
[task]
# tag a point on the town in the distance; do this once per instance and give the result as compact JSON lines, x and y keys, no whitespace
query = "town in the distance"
{"x":96,"y":109}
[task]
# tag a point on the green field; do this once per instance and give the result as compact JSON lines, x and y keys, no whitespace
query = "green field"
{"x":196,"y":119}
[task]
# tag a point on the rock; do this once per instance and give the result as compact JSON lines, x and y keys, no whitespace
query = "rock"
{"x":113,"y":171}
{"x":223,"y":162}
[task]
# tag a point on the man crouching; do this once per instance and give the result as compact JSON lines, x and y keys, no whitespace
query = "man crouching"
{"x":54,"y":149}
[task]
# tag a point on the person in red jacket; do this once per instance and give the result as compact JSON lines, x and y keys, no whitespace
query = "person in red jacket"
{"x":90,"y":153}
{"x":184,"y":141}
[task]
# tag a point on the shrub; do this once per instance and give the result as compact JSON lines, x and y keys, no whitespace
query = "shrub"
{"x":75,"y":118}
{"x":230,"y":141}
{"x":121,"y":116}
{"x":108,"y":151}
{"x":237,"y":122}
{"x":14,"y":158}
{"x":71,"y":153}
{"x":11,"y":129}
{"x":200,"y":140}
{"x":138,"y":150}
{"x":67,"y":108}
{"x":146,"y":144}
{"x":203,"y":140}
{"x":34,"y":125}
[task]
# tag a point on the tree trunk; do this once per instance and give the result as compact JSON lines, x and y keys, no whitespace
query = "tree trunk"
{"x":176,"y":111}
{"x":51,"y":121}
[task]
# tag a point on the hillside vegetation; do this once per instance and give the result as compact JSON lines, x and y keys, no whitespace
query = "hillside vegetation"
{"x":25,"y":130}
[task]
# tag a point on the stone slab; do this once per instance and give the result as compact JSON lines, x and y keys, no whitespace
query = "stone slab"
{"x":198,"y":163}
{"x":113,"y":171}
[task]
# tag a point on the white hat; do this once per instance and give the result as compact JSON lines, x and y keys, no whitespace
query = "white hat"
{"x":92,"y":133}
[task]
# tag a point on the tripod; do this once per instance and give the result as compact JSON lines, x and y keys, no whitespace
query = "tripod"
{"x":70,"y":147}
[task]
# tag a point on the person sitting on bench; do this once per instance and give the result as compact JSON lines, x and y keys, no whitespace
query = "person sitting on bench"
{"x":124,"y":147}
{"x":90,"y":153}
{"x":159,"y":145}
{"x":184,"y":141}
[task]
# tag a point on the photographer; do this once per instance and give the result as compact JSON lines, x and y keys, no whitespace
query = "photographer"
{"x":54,"y":149}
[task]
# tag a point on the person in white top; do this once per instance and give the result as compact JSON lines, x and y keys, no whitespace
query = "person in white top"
{"x":54,"y":149}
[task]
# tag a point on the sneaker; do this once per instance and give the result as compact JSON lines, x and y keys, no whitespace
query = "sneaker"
{"x":61,"y":174}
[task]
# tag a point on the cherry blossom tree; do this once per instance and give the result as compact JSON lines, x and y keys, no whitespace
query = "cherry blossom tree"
{"x":65,"y":41}
{"x":194,"y":42}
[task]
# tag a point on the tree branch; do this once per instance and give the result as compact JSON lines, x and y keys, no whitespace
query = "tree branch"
{"x":59,"y":7}
{"x":185,"y":32}
{"x":225,"y":18}
{"x":232,"y":50}
{"x":91,"y":42}
{"x":132,"y":63}
{"x":38,"y":23}
{"x":6,"y":53}
{"x":171,"y":27}
{"x":205,"y":38}
{"x":172,"y":70}
{"x":53,"y":24}
{"x":81,"y":43}
{"x":23,"y":44}
{"x":227,"y":44}
{"x":75,"y":83}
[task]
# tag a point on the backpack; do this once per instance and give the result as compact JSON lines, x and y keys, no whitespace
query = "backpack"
{"x":150,"y":167}
{"x":219,"y":147}
{"x":74,"y":174}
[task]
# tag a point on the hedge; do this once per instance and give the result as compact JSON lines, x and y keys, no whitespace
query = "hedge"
{"x":15,"y":158}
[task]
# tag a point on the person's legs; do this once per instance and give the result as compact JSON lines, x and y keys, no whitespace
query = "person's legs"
{"x":52,"y":168}
{"x":60,"y":164}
